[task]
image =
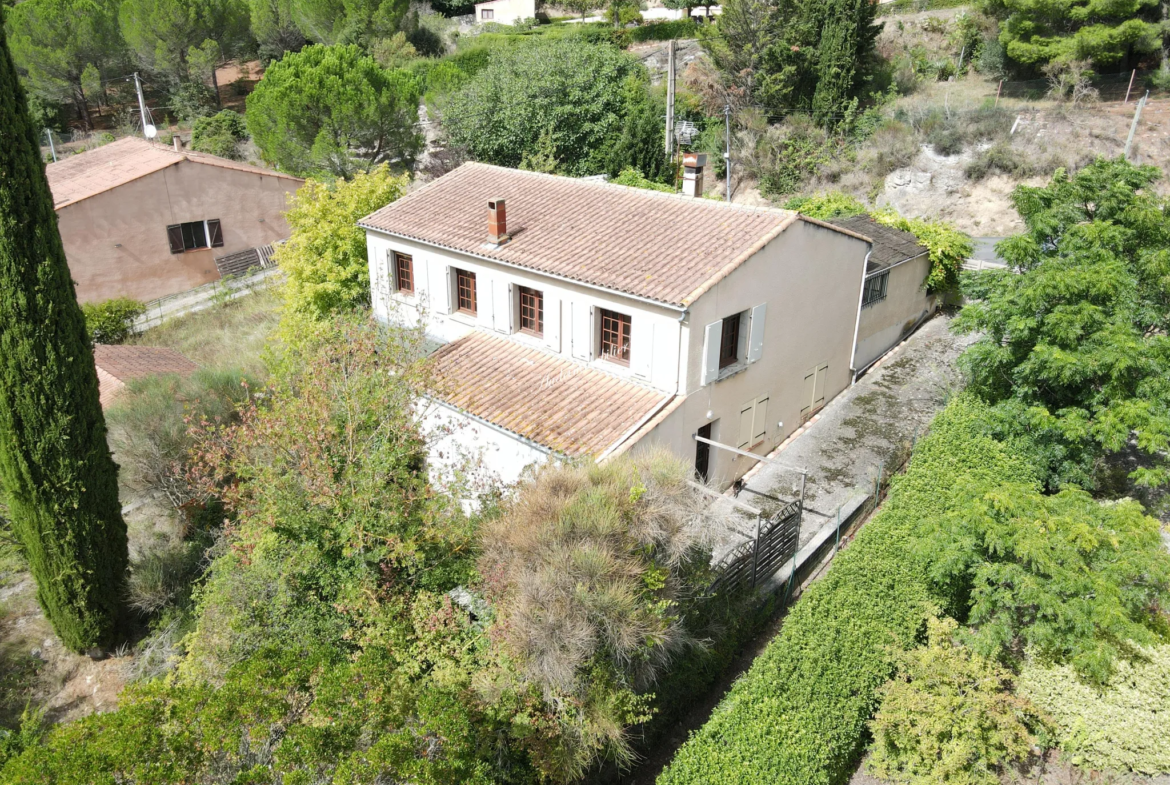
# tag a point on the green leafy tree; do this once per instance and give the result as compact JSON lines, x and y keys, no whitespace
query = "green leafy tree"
{"x":811,"y":57}
{"x":112,"y":321}
{"x":60,"y":43}
{"x":61,"y":484}
{"x":1036,"y":32}
{"x":573,"y":87}
{"x":349,"y":21}
{"x":220,"y":134}
{"x":325,"y":256}
{"x":1065,"y":577}
{"x":331,"y":109}
{"x":202,"y":61}
{"x":949,"y":716}
{"x":275,"y":27}
{"x":1074,"y":349}
{"x":640,"y":144}
{"x":161,"y":33}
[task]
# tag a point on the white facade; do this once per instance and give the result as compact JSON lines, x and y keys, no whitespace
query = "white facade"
{"x":794,"y":303}
{"x":505,"y":12}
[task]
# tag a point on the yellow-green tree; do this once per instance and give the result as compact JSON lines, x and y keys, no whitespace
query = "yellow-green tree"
{"x":325,"y":257}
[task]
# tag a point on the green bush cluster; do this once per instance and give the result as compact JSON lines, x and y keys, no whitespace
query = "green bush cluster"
{"x":111,"y":321}
{"x":799,"y":716}
{"x":220,"y":134}
{"x":948,"y":716}
{"x":1124,"y":726}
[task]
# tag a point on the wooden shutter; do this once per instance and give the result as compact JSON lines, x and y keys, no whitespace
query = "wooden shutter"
{"x":579,"y":336}
{"x":642,"y":350}
{"x":215,"y":233}
{"x":819,"y":387}
{"x":711,"y":341}
{"x":552,"y":323}
{"x":746,"y":413}
{"x":760,"y":421}
{"x":756,"y":334}
{"x":485,"y":300}
{"x":807,"y":392}
{"x":175,"y":237}
{"x":452,"y":290}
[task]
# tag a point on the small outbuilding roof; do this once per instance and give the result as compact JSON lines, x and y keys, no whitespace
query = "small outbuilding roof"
{"x":567,"y":406}
{"x":890,"y":246}
{"x":664,"y":247}
{"x":117,"y":163}
{"x":118,"y":364}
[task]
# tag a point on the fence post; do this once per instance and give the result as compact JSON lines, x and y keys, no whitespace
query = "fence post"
{"x":1130,"y":88}
{"x":879,"y":482}
{"x":998,"y":91}
{"x":1137,"y":115}
{"x":837,"y":542}
{"x":756,"y":553}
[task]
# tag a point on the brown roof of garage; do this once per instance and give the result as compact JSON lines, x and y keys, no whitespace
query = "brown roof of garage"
{"x":566,"y":406}
{"x":890,"y":245}
{"x":118,"y":364}
{"x":95,"y":171}
{"x":664,"y":247}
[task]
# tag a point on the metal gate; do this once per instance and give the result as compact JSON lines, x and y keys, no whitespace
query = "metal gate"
{"x":755,"y":561}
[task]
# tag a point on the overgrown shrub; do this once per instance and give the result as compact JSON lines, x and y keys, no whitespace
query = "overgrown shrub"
{"x":1123,"y":726}
{"x":788,"y":155}
{"x":825,"y":206}
{"x":799,"y":715}
{"x":150,"y":422}
{"x":949,"y":248}
{"x":633,"y":178}
{"x":111,"y":321}
{"x":163,"y":576}
{"x":949,"y":716}
{"x":892,"y":146}
{"x":590,"y":571}
{"x":219,"y":134}
{"x":664,"y":31}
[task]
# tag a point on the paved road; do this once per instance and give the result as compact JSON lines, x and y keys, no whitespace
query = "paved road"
{"x":867,"y":426}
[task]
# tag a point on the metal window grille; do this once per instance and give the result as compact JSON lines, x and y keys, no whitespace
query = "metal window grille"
{"x":729,"y":342}
{"x":875,"y":288}
{"x":531,"y":311}
{"x":465,"y":284}
{"x":404,"y":272}
{"x":615,"y":337}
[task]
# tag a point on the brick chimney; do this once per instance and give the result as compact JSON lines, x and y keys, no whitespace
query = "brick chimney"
{"x":497,"y":222}
{"x":693,"y":166}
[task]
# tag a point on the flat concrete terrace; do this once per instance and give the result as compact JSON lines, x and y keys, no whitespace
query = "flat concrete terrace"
{"x":866,"y":429}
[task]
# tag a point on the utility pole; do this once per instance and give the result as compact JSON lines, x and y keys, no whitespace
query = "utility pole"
{"x":1137,"y":115}
{"x":141,"y":103}
{"x":53,"y":150}
{"x":670,"y":97}
{"x":727,"y":144}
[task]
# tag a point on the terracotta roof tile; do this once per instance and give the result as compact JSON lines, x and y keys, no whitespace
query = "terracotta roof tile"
{"x":566,"y":406}
{"x":660,"y":246}
{"x":890,"y":245}
{"x":117,"y":163}
{"x":117,"y":364}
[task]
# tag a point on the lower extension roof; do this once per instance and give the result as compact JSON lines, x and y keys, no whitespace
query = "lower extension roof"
{"x":566,"y":406}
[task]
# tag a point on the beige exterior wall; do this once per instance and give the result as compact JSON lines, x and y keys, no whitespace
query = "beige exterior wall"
{"x":884,"y":323}
{"x":116,"y":242}
{"x":810,"y":277}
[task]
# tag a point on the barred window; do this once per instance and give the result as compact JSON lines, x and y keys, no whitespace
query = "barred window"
{"x":531,"y":311}
{"x":875,"y":288}
{"x":404,"y":272}
{"x":465,"y":284}
{"x":615,"y":337}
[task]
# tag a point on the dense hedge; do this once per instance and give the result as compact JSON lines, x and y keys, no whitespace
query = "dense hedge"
{"x":799,"y":715}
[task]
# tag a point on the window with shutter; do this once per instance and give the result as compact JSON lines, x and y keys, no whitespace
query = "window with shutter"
{"x":216,"y":232}
{"x":615,"y":337}
{"x":404,"y":273}
{"x":465,"y":286}
{"x":746,"y":415}
{"x":760,"y":421}
{"x":531,"y":311}
{"x":190,"y":236}
{"x":729,"y":341}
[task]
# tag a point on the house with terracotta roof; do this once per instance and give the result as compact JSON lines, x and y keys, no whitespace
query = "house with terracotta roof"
{"x":143,"y":220}
{"x":582,"y":319}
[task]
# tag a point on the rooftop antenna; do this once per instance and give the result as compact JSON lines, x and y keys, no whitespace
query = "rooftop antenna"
{"x":148,"y":129}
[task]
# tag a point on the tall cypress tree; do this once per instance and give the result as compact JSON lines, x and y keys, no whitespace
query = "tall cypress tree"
{"x":60,"y":480}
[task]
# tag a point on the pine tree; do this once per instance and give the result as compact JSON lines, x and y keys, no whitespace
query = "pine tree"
{"x":55,"y":468}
